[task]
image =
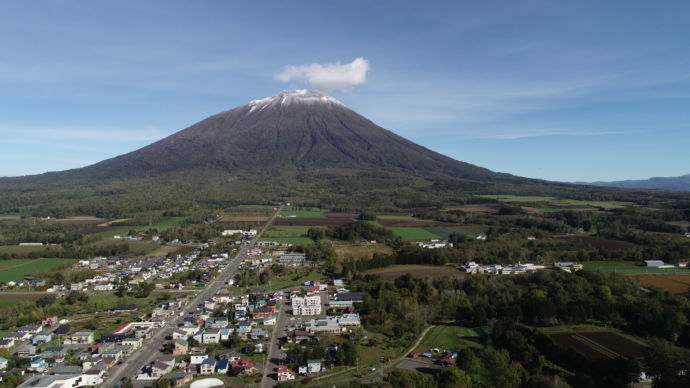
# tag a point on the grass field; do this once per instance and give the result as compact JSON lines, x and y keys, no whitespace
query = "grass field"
{"x":143,"y":247}
{"x":23,"y":249}
{"x":17,"y":269}
{"x":451,"y":338}
{"x":629,"y":268}
{"x":413,"y":234}
{"x":393,"y":272}
{"x":123,"y":230}
{"x":394,"y":217}
{"x":557,"y":202}
{"x":286,"y":231}
{"x":11,"y":299}
{"x":352,"y":251}
{"x":467,"y":230}
{"x":292,"y":280}
{"x":304,"y":213}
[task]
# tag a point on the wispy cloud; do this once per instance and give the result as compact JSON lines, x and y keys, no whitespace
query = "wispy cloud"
{"x":121,"y":135}
{"x":327,"y":77}
{"x":527,"y":133}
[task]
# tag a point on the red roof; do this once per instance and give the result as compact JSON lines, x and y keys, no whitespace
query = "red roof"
{"x":244,"y":364}
{"x":448,"y":360}
{"x":284,"y":369}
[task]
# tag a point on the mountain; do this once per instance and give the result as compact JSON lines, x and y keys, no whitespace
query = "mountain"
{"x":680,"y":183}
{"x":293,"y":131}
{"x":299,"y":145}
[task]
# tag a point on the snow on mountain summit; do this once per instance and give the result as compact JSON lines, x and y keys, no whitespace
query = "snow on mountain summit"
{"x":289,"y":97}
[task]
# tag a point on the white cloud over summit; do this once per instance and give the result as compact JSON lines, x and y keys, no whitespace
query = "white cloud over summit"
{"x":327,"y":77}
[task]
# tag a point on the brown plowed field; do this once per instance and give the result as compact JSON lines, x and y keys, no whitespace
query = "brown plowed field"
{"x":567,"y":340}
{"x":412,"y":223}
{"x":349,"y":216}
{"x":296,"y":221}
{"x":243,"y":219}
{"x":616,"y":342}
{"x":674,"y":283}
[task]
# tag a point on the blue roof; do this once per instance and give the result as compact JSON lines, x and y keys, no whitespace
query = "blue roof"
{"x":223,"y":364}
{"x":209,"y":361}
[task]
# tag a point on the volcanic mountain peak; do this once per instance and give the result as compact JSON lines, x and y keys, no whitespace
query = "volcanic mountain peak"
{"x":290,"y":97}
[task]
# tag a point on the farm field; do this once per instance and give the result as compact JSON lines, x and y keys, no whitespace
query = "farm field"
{"x":419,"y":271}
{"x":348,"y":216}
{"x":303,"y":212}
{"x":11,"y":299}
{"x":286,"y":231}
{"x":674,"y":283}
{"x":292,"y":280}
{"x":310,"y":221}
{"x":18,"y":269}
{"x":467,"y":230}
{"x":123,"y":230}
{"x":354,"y":251}
{"x":413,"y":223}
{"x":629,"y":268}
{"x":394,"y":217}
{"x":452,"y":338}
{"x":245,"y":218}
{"x":413,"y":234}
{"x":22,"y":249}
{"x":599,"y":345}
{"x":558,"y":202}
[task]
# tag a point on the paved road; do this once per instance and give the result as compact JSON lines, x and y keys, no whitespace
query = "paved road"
{"x":151,"y":349}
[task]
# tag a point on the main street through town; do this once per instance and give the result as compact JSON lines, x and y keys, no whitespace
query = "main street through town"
{"x":151,"y":349}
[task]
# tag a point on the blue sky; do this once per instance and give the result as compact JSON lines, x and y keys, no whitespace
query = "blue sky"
{"x":569,"y":91}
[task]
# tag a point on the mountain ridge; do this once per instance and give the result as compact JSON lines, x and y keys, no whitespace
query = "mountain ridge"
{"x":678,"y":183}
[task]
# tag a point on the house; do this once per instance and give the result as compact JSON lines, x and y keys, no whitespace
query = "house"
{"x":30,"y":329}
{"x":269,"y":321}
{"x":49,"y":320}
{"x":180,"y":347}
{"x":116,"y":353}
{"x":244,"y":366}
{"x":111,"y":337}
{"x":223,"y":366}
{"x":258,"y":347}
{"x":654,"y":263}
{"x":41,"y":338}
{"x":62,"y":329}
{"x":197,"y":359}
{"x":26,"y":351}
{"x":262,"y":312}
{"x":351,"y":296}
{"x":93,"y":377}
{"x":3,"y":363}
{"x":38,"y":364}
{"x":313,"y":366}
{"x":211,"y":336}
{"x":285,"y":373}
{"x":82,"y":337}
{"x":6,"y":343}
{"x":208,"y":366}
{"x":257,"y":333}
{"x":16,"y":336}
{"x":177,"y":333}
{"x":300,"y":335}
{"x":159,"y":369}
{"x":134,"y":343}
{"x":179,"y":379}
{"x":230,"y":355}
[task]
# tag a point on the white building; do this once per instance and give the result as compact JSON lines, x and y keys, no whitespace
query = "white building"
{"x":307,"y":305}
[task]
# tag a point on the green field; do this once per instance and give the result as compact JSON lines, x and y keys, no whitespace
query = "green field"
{"x":413,"y":234}
{"x":557,"y":201}
{"x":123,"y":230}
{"x":629,"y":268}
{"x":303,"y":213}
{"x":467,"y":230}
{"x":451,"y":338}
{"x":17,"y":269}
{"x":292,"y":280}
{"x":142,"y":247}
{"x":287,"y":231}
